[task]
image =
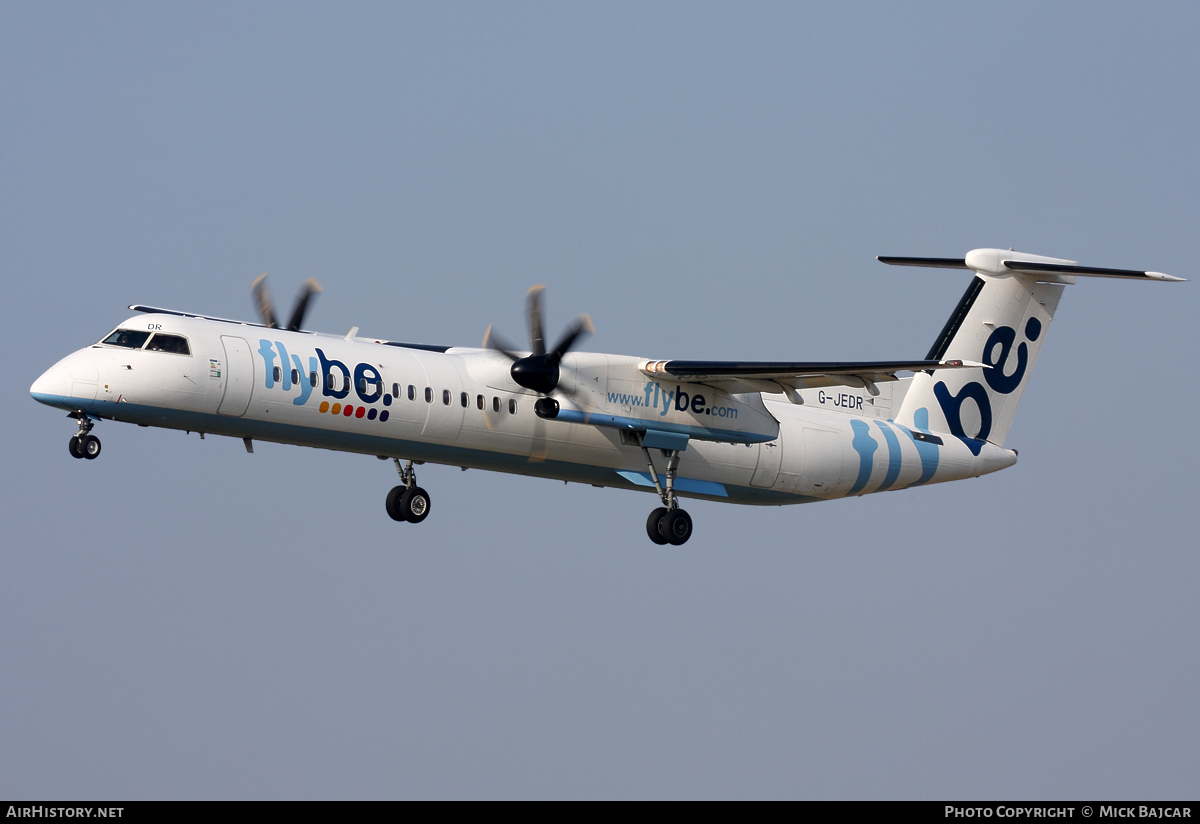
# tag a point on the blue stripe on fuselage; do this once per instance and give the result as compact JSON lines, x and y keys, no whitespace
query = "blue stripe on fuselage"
{"x":894,"y":457}
{"x":702,"y":433}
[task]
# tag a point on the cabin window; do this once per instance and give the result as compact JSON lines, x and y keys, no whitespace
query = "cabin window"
{"x":512,"y":406}
{"x":495,"y":404}
{"x":465,"y":400}
{"x":129,"y":338}
{"x":296,"y":376}
{"x":412,"y":392}
{"x":331,"y":382}
{"x":276,"y":373}
{"x":479,"y":401}
{"x":375,"y":387}
{"x":395,"y":390}
{"x":446,"y":397}
{"x":428,"y":395}
{"x":172,"y":344}
{"x":312,"y":379}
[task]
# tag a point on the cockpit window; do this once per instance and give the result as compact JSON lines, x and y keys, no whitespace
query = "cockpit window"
{"x":168,"y":343}
{"x":128,"y":338}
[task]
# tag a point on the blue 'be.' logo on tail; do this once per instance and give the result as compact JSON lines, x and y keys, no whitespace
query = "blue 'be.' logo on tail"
{"x":1001,"y":339}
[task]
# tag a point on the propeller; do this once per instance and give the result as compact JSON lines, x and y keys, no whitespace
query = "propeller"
{"x":540,"y":370}
{"x":266,"y":309}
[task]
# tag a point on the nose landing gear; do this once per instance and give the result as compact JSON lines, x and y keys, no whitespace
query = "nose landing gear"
{"x":668,"y":524}
{"x":82,"y":443}
{"x":408,"y":502}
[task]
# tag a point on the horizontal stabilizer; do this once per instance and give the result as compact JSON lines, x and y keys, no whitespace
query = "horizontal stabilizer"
{"x":929,"y":263}
{"x":1088,"y":271}
{"x":1001,"y":262}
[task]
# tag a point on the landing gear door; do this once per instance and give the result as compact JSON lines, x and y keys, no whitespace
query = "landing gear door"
{"x":239,"y":377}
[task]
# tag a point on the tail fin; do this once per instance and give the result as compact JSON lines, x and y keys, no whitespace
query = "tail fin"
{"x":1001,"y":321}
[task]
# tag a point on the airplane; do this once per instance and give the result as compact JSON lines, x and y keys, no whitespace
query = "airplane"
{"x":765,"y":433}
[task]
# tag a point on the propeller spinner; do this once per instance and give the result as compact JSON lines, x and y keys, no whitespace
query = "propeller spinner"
{"x":266,"y":309}
{"x":539,"y":370}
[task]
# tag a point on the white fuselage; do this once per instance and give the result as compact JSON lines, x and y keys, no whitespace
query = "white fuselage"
{"x":461,"y":407}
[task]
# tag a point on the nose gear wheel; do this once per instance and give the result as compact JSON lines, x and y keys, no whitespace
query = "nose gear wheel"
{"x":82,"y":443}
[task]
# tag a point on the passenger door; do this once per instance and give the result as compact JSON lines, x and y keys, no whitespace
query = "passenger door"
{"x":239,"y":377}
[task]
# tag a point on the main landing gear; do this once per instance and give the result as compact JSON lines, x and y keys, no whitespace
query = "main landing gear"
{"x":668,"y":524}
{"x":407,"y":502}
{"x":83,"y":444}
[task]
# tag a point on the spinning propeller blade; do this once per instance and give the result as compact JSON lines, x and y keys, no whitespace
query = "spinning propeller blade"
{"x":266,"y":308}
{"x":262,"y":301}
{"x":307,"y":290}
{"x":493,"y":340}
{"x":533,"y":315}
{"x":540,"y":370}
{"x":582,"y":325}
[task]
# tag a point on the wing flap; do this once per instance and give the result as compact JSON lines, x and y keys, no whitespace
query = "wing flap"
{"x":788,"y":370}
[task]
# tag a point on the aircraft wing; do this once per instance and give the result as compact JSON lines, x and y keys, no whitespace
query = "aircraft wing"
{"x":785,"y":377}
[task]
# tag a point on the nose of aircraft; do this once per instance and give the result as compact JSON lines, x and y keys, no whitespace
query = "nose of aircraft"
{"x":53,"y":386}
{"x":74,"y":375}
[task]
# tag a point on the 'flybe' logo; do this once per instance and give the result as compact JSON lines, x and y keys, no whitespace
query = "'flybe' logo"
{"x":995,"y":355}
{"x":335,"y":378}
{"x":656,"y":397}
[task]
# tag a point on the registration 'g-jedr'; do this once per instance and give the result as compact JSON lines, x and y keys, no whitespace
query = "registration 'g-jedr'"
{"x":767,"y":433}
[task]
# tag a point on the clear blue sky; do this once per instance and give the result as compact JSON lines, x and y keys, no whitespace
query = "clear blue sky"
{"x":181,"y":619}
